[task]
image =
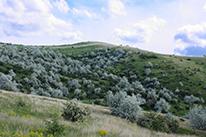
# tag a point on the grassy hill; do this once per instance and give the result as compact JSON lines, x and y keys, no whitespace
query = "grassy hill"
{"x":89,"y":71}
{"x":174,"y":72}
{"x":15,"y":118}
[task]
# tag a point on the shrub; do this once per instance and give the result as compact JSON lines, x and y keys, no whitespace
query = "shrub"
{"x":149,"y":65}
{"x":148,"y":71}
{"x":124,"y":106}
{"x":73,"y":112}
{"x":159,"y":122}
{"x":162,"y":106}
{"x":197,"y":117}
{"x":151,"y":82}
{"x":192,"y":99}
{"x":7,"y":82}
{"x":77,"y":93}
{"x":74,"y":84}
{"x":53,"y":127}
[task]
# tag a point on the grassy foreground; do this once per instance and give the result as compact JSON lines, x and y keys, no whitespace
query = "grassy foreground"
{"x":15,"y":118}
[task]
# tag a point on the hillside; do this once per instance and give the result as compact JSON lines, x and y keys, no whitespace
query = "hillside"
{"x":177,"y":73}
{"x":102,"y":74}
{"x":18,"y":119}
{"x":101,"y":65}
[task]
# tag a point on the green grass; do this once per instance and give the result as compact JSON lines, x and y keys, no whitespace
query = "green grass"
{"x":78,"y":49}
{"x":25,"y":107}
{"x":170,"y":71}
{"x":34,"y":112}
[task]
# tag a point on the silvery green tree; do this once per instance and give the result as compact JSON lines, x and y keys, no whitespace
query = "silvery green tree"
{"x":74,"y":84}
{"x":162,"y":106}
{"x":77,"y":93}
{"x":114,"y":100}
{"x":192,"y":99}
{"x":166,"y":94}
{"x":151,"y":97}
{"x":124,"y":106}
{"x":138,"y":87}
{"x":12,"y":73}
{"x":149,"y":65}
{"x":140,"y":99}
{"x":151,"y":82}
{"x":197,"y":117}
{"x":147,"y":71}
{"x":7,"y":83}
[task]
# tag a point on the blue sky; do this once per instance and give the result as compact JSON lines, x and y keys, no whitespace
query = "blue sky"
{"x":163,"y":26}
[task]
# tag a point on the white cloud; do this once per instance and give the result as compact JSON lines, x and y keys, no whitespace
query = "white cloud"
{"x":204,"y":7}
{"x":34,"y":20}
{"x":83,"y":12}
{"x":191,"y":35}
{"x":62,"y":6}
{"x":140,"y":32}
{"x":116,"y":7}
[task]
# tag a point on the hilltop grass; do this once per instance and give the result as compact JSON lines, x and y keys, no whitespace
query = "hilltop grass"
{"x":79,"y":48}
{"x":38,"y":109}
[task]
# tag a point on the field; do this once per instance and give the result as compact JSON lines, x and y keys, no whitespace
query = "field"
{"x":14,"y":118}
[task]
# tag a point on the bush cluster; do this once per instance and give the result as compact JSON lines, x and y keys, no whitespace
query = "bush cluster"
{"x":159,"y":122}
{"x":53,"y":128}
{"x":124,"y":106}
{"x":73,"y":112}
{"x":47,"y":72}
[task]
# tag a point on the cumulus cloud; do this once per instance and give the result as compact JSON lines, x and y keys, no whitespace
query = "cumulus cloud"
{"x":204,"y":7}
{"x":191,"y":36}
{"x":34,"y":20}
{"x":83,"y":13}
{"x":61,"y":5}
{"x":117,"y":7}
{"x":141,"y":31}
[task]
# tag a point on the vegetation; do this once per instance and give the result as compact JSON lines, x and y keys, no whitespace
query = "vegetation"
{"x":33,"y":123}
{"x":129,"y":81}
{"x":159,"y":122}
{"x":197,"y":117}
{"x":74,"y":112}
{"x":53,"y":128}
{"x":93,"y":70}
{"x":124,"y":106}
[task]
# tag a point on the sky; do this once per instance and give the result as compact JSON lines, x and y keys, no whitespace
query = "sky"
{"x":163,"y":26}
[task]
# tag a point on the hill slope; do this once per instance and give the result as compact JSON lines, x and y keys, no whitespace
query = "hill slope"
{"x":185,"y":75}
{"x":88,"y":70}
{"x":14,"y":118}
